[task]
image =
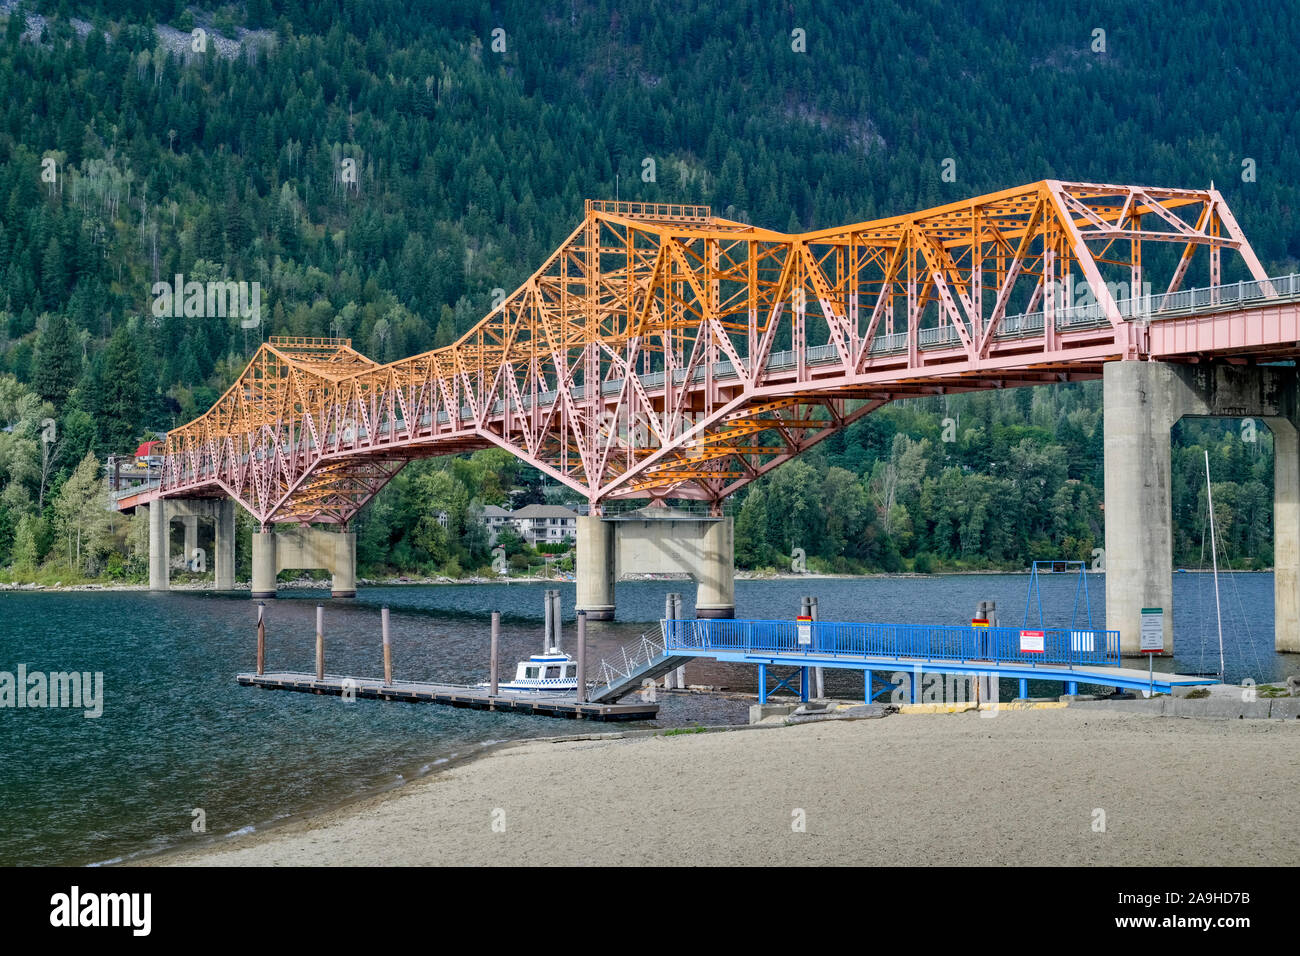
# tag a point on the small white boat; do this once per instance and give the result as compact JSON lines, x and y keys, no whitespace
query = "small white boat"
{"x":550,"y":673}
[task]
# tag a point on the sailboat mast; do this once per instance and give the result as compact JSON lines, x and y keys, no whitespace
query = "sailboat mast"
{"x":1214,"y":559}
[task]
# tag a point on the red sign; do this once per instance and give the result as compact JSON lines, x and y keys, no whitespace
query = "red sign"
{"x":978,"y":622}
{"x":1033,"y":642}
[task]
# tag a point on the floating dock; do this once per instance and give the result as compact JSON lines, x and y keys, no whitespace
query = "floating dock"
{"x":452,"y":695}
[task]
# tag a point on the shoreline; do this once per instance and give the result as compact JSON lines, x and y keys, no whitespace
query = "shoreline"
{"x":33,"y":588}
{"x":217,"y":842}
{"x":377,"y":796}
{"x":953,"y":788}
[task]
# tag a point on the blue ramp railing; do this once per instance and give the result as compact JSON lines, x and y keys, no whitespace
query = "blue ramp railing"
{"x":1066,"y":646}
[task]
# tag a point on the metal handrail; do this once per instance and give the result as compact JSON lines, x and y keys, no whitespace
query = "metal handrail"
{"x":923,"y":642}
{"x":645,"y":651}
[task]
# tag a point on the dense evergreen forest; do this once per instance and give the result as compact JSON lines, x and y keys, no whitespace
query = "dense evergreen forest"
{"x":127,"y":156}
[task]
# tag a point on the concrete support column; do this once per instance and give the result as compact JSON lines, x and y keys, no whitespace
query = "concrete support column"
{"x":191,"y":525}
{"x":1286,"y":534}
{"x":595,"y":568}
{"x":159,"y":546}
{"x":344,"y":584}
{"x":223,"y":546}
{"x":716,"y":572}
{"x":1139,"y":411}
{"x":264,"y":569}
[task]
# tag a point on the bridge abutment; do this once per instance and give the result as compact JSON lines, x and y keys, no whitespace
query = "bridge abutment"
{"x":305,"y":548}
{"x":658,"y":541}
{"x":1143,"y":401}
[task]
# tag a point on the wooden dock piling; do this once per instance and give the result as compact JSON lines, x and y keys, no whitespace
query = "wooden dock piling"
{"x":388,"y":647}
{"x":555,"y":620}
{"x":549,"y":608}
{"x":496,"y":647}
{"x":582,"y":656}
{"x":320,"y":642}
{"x":261,"y":638}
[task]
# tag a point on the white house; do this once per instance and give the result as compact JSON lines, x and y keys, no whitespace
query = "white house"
{"x":545,"y":524}
{"x":495,"y":517}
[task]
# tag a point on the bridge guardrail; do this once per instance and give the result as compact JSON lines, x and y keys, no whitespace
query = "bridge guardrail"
{"x":1061,"y":646}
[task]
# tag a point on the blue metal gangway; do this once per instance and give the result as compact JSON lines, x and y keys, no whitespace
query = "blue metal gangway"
{"x":1069,"y":655}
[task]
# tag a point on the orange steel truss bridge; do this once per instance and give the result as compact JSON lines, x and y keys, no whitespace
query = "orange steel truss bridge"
{"x":663,"y":352}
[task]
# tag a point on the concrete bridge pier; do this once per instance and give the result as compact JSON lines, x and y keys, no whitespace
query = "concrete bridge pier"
{"x":1143,"y":401}
{"x":304,"y":548}
{"x":595,"y":568}
{"x":1286,"y":532}
{"x":264,"y":569}
{"x":159,"y":546}
{"x":661,"y":541}
{"x":162,"y":511}
{"x":223,"y":561}
{"x":190,"y":523}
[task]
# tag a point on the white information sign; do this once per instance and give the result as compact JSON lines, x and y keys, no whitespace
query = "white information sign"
{"x":1153,"y":630}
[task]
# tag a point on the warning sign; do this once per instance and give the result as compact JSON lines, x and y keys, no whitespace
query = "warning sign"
{"x":805,"y":630}
{"x":1033,"y":642}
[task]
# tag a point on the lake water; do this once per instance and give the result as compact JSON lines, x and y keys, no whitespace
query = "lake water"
{"x":177,"y":734}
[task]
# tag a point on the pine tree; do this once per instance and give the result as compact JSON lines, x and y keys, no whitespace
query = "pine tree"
{"x":117,"y":398}
{"x":54,"y":275}
{"x":57,"y":364}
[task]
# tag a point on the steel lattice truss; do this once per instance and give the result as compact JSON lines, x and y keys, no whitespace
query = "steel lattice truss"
{"x":664,"y":352}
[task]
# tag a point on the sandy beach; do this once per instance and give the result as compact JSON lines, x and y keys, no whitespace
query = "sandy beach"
{"x":1024,"y":787}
